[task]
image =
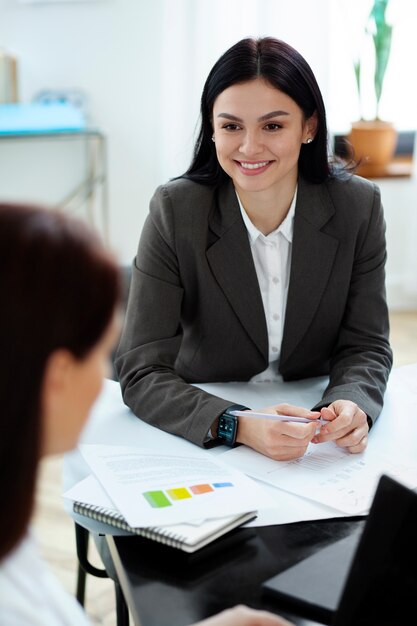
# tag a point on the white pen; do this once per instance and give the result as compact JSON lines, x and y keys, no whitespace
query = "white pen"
{"x":279,"y":418}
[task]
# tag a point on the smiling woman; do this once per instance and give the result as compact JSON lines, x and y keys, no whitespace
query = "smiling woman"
{"x":258,"y":132}
{"x":263,"y":261}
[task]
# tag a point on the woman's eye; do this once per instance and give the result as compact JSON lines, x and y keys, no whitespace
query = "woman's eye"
{"x":231,"y":127}
{"x":273,"y":126}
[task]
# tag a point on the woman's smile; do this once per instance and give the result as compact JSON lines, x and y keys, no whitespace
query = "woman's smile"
{"x":253,"y":168}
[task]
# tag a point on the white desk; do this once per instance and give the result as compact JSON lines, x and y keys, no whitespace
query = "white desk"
{"x":111,"y":422}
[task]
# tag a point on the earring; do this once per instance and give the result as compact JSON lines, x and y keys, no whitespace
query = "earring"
{"x":212,"y":138}
{"x":309,"y":140}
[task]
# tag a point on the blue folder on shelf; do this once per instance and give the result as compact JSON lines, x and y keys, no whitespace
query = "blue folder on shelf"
{"x":40,"y":118}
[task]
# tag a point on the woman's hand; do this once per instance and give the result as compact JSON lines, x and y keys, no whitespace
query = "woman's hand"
{"x":281,"y":441}
{"x":348,"y":426}
{"x":244,"y":616}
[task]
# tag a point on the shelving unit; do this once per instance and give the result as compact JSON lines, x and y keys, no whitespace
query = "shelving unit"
{"x":88,"y":193}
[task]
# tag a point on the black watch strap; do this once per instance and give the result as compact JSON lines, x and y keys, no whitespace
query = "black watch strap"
{"x":228,"y":423}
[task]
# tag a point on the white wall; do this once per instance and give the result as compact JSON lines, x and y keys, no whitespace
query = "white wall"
{"x":143,"y":64}
{"x":399,"y":197}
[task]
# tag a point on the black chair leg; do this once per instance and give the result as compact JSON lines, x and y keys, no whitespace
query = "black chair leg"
{"x":84,"y":566}
{"x":122,"y":612}
{"x":81,"y":581}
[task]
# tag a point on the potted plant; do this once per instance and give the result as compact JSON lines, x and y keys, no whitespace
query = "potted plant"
{"x":374,"y":141}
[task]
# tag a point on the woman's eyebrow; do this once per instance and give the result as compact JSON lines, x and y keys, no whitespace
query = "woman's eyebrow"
{"x":231,"y":117}
{"x":263,"y":118}
{"x":269,"y":116}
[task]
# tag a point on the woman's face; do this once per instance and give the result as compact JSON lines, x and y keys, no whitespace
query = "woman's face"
{"x":258,"y":132}
{"x":70,"y":388}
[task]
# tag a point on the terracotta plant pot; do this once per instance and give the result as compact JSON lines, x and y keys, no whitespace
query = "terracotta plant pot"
{"x":373,"y":142}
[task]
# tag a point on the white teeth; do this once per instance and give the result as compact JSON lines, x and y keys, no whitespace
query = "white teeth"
{"x":253,"y":166}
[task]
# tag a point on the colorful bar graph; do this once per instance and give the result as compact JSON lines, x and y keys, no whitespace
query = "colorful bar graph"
{"x":160,"y":499}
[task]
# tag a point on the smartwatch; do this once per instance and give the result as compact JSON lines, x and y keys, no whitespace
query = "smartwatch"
{"x":227,"y":427}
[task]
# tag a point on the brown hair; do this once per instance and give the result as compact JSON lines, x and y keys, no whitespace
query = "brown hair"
{"x":59,"y":288}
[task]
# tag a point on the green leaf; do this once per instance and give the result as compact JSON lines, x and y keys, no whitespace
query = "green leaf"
{"x":357,"y":69}
{"x":382,"y":43}
{"x":382,"y":38}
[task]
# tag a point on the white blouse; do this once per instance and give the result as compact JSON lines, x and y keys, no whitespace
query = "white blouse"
{"x":272,"y":258}
{"x":30,"y":595}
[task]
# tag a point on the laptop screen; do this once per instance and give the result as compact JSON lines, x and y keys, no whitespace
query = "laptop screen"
{"x":381,"y":587}
{"x":369,"y":578}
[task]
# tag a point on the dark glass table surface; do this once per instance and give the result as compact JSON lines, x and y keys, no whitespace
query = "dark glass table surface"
{"x":165,"y":586}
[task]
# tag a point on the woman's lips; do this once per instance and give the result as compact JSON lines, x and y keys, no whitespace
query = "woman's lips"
{"x":253,"y":168}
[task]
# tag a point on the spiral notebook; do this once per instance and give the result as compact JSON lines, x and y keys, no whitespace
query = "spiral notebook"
{"x":187,"y":537}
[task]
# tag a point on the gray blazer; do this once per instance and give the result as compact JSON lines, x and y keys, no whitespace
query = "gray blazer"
{"x":195,"y":311}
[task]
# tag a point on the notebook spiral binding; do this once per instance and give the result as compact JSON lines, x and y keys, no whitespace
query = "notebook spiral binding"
{"x":113,"y":518}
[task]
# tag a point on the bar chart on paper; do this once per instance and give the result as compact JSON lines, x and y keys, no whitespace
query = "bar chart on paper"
{"x":160,"y":499}
{"x":154,"y":489}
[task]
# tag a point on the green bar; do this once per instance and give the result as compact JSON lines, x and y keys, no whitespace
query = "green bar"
{"x":157,"y":499}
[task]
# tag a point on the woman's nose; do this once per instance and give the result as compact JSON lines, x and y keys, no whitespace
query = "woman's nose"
{"x":251,"y":144}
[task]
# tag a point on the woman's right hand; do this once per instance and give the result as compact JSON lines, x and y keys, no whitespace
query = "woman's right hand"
{"x":281,"y":441}
{"x":244,"y":616}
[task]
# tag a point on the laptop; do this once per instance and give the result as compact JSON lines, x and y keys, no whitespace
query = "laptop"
{"x":366,"y":579}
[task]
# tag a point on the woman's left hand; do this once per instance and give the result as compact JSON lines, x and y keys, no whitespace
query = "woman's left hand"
{"x":347,"y":427}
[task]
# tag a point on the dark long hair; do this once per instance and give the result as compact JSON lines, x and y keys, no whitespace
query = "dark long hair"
{"x":285,"y":69}
{"x":59,"y":288}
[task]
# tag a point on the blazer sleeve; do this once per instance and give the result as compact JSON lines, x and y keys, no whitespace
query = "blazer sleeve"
{"x":151,"y":337}
{"x":362,"y":358}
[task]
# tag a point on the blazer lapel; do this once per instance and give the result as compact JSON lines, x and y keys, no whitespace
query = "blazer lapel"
{"x":312,"y":260}
{"x":231,"y":262}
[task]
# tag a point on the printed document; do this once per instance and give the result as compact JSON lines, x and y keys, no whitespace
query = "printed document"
{"x":154,"y":489}
{"x":326,"y":473}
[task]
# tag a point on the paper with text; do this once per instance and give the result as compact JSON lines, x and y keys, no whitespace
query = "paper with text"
{"x":154,"y":489}
{"x":326,"y":473}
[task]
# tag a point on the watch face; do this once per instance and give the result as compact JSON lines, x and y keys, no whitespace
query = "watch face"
{"x":227,"y":428}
